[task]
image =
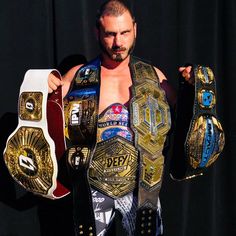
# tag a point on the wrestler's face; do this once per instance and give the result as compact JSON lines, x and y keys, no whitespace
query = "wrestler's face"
{"x":116,"y":36}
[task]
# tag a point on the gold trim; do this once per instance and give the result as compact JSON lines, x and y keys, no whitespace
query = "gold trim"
{"x":114,"y":167}
{"x":151,"y":117}
{"x":28,"y":159}
{"x":201,"y":98}
{"x":30,"y":106}
{"x":152,"y":170}
{"x":197,"y":137}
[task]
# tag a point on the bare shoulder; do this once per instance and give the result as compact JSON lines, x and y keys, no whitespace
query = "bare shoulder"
{"x":160,"y":75}
{"x":71,"y":73}
{"x":68,"y":78}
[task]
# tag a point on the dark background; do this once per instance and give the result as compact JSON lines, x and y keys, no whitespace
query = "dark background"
{"x":46,"y":33}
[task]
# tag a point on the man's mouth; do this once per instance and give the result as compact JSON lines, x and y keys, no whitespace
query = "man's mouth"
{"x":118,"y":50}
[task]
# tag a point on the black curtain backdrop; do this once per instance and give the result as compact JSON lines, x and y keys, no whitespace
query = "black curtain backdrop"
{"x":57,"y":33}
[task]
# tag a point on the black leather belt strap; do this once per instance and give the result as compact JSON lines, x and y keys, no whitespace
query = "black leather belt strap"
{"x":199,"y":137}
{"x":84,"y":221}
{"x":146,"y":222}
{"x":150,"y":120}
{"x":81,"y":108}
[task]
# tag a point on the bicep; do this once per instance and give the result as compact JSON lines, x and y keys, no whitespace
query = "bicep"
{"x":166,"y":86}
{"x":68,"y":78}
{"x":161,"y":76}
{"x":69,"y":75}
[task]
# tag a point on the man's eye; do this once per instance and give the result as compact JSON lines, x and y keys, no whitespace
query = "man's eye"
{"x":109,"y":34}
{"x":125,"y":33}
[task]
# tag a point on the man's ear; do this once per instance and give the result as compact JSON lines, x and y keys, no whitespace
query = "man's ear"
{"x":135,"y":29}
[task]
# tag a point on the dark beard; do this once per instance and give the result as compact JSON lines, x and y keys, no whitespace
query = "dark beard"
{"x":118,"y":57}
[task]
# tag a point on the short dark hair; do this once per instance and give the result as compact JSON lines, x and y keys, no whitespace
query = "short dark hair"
{"x":113,"y":8}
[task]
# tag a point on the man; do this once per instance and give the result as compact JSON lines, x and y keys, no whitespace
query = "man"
{"x":116,"y":34}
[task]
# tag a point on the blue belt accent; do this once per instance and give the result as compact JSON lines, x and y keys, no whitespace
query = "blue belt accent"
{"x":207,"y":99}
{"x":82,"y":92}
{"x":209,"y":143}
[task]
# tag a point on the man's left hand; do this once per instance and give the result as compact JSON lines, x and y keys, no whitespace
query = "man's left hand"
{"x":186,"y":74}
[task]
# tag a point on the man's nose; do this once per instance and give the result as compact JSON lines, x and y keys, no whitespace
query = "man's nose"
{"x":118,"y":40}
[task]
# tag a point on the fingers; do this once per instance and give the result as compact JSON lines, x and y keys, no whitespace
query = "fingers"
{"x":187,"y":69}
{"x":50,"y":90}
{"x":186,"y":72}
{"x":53,"y":83}
{"x":181,"y":68}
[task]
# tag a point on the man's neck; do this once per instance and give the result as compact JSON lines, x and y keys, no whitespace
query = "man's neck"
{"x":110,"y":64}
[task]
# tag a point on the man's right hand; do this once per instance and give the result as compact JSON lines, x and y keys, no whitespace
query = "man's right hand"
{"x":53,"y":82}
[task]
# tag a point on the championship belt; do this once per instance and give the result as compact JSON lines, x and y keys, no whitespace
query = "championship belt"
{"x":114,"y":167}
{"x":151,"y":122}
{"x":81,"y":112}
{"x":205,"y":136}
{"x":34,"y":149}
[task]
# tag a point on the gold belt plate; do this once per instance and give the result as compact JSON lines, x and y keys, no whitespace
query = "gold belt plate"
{"x":151,"y":117}
{"x":152,"y":171}
{"x":114,"y":167}
{"x":30,"y":104}
{"x":198,"y":134}
{"x":205,"y":139}
{"x":28,"y":159}
{"x":206,"y":79}
{"x":80,"y":119}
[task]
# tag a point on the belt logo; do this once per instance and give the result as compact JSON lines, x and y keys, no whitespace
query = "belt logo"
{"x":208,"y":143}
{"x":29,"y":105}
{"x":76,"y":114}
{"x":152,"y":114}
{"x":206,"y":98}
{"x":113,"y":167}
{"x":27,"y":163}
{"x":117,"y":161}
{"x":151,"y":117}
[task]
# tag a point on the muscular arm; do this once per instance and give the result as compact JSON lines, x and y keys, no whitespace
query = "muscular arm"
{"x":68,"y":78}
{"x":169,"y":90}
{"x":171,"y":94}
{"x":54,"y":82}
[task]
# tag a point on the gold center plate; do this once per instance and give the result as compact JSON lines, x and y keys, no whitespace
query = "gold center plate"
{"x":28,"y":159}
{"x":114,"y":166}
{"x":151,"y":117}
{"x":197,"y":138}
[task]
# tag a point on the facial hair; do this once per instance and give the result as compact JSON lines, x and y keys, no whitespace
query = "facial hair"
{"x":118,"y":57}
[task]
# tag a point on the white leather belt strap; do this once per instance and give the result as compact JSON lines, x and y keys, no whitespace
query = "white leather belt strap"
{"x":30,"y":153}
